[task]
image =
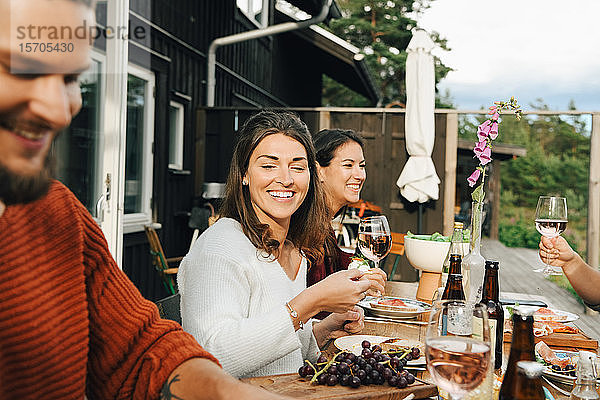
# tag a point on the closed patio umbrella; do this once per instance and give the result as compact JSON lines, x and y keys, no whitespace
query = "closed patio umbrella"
{"x":418,"y":180}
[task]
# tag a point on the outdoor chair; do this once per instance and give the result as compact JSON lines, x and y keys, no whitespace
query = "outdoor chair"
{"x":161,"y":263}
{"x":200,"y":219}
{"x":397,"y":250}
{"x":169,"y":308}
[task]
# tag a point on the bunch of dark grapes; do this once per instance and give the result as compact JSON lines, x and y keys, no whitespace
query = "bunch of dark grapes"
{"x":373,"y":366}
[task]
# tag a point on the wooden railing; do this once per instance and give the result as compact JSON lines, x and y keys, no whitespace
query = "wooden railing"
{"x":593,"y":216}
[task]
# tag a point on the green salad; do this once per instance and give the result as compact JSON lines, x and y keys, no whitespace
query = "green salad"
{"x":438,"y":237}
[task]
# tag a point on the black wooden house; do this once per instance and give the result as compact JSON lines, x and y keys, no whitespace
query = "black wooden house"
{"x":284,"y":70}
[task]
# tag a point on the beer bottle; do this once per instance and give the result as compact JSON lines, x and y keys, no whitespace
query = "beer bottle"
{"x":521,"y":349}
{"x":456,"y":247}
{"x":458,"y":293}
{"x":530,"y":374}
{"x":454,"y":288}
{"x":490,"y":297}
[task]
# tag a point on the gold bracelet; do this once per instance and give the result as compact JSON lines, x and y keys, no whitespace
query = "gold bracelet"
{"x":294,"y":315}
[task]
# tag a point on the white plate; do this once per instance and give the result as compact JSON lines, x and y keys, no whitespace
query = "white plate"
{"x":394,"y":314}
{"x":558,"y":377}
{"x":561,"y":316}
{"x":353,"y":344}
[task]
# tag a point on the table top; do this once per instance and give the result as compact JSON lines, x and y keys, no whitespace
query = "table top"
{"x":292,"y":385}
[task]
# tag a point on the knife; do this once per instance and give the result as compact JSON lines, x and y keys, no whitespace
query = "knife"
{"x":376,"y":319}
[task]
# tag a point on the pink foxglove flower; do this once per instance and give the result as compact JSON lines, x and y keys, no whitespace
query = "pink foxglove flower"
{"x":489,"y":128}
{"x":485,"y":156}
{"x":474,"y":177}
{"x":494,"y":129}
{"x":479,"y":147}
{"x":486,"y":133}
{"x":483,"y":130}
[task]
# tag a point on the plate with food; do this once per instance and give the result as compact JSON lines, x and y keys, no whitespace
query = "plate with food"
{"x":394,"y":307}
{"x":356,"y":343}
{"x":544,"y":314}
{"x":561,"y":365}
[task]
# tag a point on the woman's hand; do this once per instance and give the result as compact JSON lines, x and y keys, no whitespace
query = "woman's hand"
{"x":556,"y":251}
{"x":377,"y":278}
{"x":340,"y":292}
{"x":337,"y":325}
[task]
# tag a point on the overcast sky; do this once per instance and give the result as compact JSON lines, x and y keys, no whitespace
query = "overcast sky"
{"x":547,"y":49}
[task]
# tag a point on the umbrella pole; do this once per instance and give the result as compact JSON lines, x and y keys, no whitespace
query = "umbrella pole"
{"x":420,"y":219}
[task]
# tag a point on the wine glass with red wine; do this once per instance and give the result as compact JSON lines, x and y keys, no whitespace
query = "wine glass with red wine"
{"x":458,"y":346}
{"x":551,"y":221}
{"x":374,"y":238}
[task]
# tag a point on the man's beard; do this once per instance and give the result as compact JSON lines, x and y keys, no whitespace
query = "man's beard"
{"x":19,"y":189}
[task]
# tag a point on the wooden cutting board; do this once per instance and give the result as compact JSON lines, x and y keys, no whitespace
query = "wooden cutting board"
{"x":567,"y":341}
{"x":293,"y":386}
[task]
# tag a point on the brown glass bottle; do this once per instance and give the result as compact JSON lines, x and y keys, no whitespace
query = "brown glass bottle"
{"x":454,"y":288}
{"x":521,"y":349}
{"x":490,"y":297}
{"x":530,"y":375}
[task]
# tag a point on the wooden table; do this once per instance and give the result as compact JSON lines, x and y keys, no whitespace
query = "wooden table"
{"x":293,"y":386}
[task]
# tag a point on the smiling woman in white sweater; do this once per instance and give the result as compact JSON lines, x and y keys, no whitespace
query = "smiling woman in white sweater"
{"x":243,"y":284}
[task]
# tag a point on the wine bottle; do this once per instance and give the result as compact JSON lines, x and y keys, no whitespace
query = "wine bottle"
{"x":521,"y":349}
{"x":490,"y":297}
{"x":456,"y":247}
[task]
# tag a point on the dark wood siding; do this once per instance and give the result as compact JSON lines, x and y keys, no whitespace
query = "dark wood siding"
{"x":267,"y":72}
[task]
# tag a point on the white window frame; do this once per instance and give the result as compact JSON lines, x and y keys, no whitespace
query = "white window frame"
{"x":177,"y":163}
{"x":100,"y":58}
{"x":264,"y":18}
{"x":134,"y":222}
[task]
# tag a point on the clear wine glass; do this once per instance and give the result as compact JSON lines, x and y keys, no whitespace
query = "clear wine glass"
{"x":551,"y":221}
{"x":374,"y":238}
{"x":458,"y":346}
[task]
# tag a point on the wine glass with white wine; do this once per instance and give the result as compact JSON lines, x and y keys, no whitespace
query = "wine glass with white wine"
{"x":374,"y":238}
{"x":551,"y":221}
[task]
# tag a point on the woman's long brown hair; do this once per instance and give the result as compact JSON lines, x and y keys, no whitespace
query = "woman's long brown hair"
{"x":327,"y":142}
{"x":309,"y":224}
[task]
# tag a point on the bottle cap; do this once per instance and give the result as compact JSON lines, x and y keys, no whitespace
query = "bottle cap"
{"x":531,"y":369}
{"x":492,"y":264}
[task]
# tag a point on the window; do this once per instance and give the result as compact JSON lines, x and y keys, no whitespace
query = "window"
{"x":176,"y":119}
{"x":138,"y":149}
{"x":256,"y":10}
{"x":77,"y":150}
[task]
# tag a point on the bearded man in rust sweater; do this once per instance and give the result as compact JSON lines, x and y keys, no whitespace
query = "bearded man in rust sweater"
{"x":71,"y":324}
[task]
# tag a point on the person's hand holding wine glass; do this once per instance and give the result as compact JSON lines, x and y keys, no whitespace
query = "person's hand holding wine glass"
{"x":375,"y":242}
{"x":458,"y":346}
{"x":551,"y":221}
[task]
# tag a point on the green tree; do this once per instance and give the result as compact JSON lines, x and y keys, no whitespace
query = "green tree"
{"x":382,"y":30}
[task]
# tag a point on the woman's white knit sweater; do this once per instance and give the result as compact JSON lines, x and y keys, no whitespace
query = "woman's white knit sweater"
{"x":233,"y":303}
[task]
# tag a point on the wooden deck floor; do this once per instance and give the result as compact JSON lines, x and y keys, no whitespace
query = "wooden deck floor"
{"x":516,"y":275}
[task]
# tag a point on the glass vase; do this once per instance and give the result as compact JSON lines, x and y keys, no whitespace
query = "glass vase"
{"x":473,"y":264}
